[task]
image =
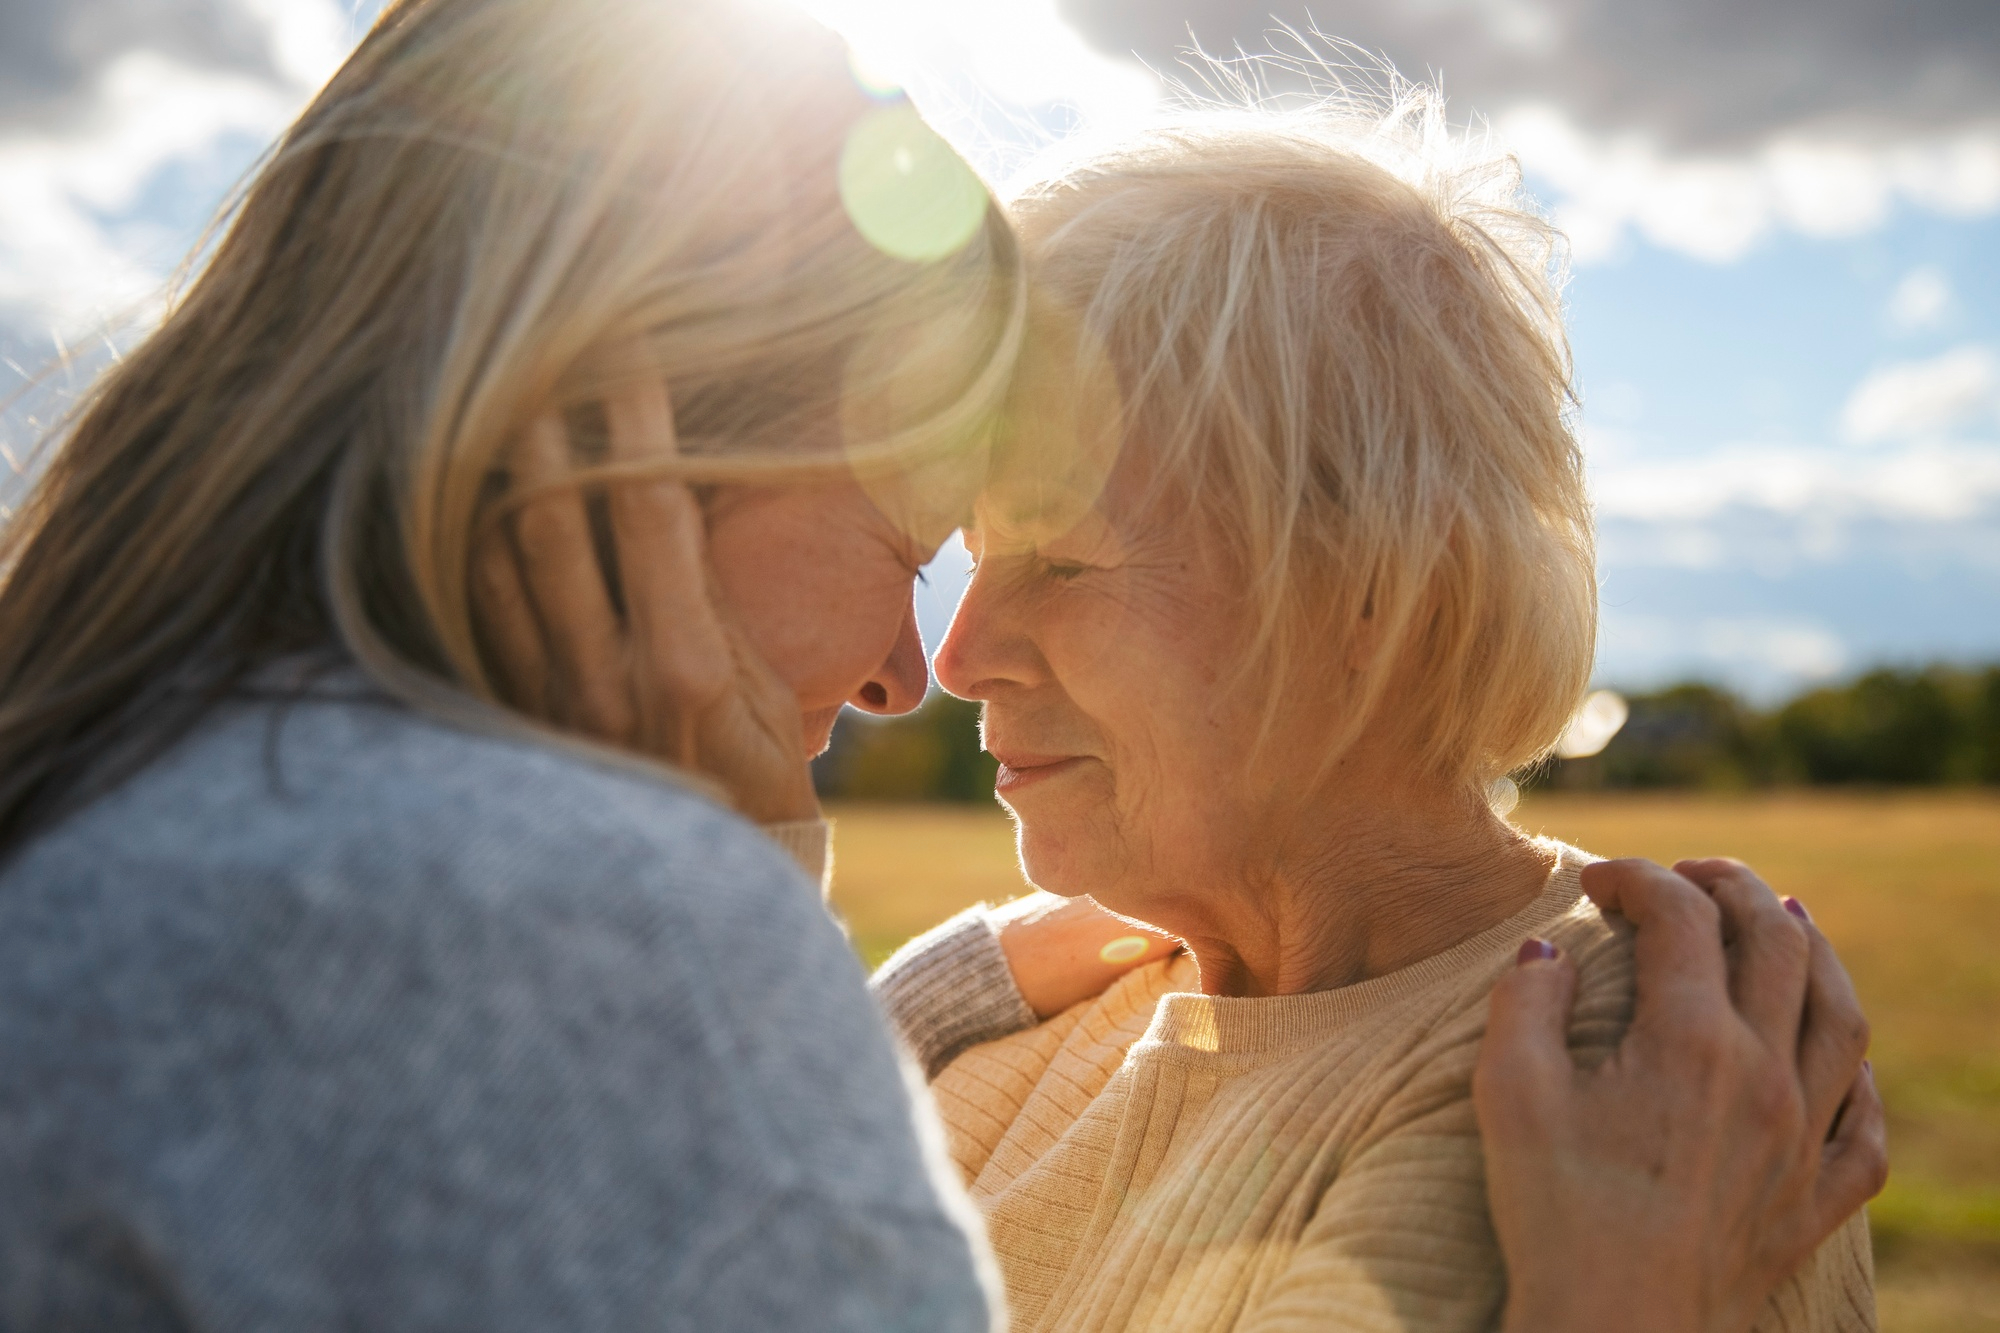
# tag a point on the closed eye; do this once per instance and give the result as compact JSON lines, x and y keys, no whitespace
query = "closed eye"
{"x":1062,"y":571}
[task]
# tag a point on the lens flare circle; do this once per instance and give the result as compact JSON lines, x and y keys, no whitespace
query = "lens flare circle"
{"x":904,"y":188}
{"x":1123,"y":949}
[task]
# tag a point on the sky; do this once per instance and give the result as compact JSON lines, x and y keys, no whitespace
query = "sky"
{"x":1784,"y":221}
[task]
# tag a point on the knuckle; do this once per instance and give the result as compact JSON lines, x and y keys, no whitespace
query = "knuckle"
{"x":1875,"y":1163}
{"x":1704,"y":1047}
{"x":1699,"y":909}
{"x":1774,"y":1100}
{"x":1790,"y":939}
{"x":1856,"y":1033}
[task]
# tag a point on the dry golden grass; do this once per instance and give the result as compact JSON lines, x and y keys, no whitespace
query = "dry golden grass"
{"x":1907,"y":887}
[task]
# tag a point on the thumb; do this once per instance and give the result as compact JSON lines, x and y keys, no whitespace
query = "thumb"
{"x":1524,"y":1057}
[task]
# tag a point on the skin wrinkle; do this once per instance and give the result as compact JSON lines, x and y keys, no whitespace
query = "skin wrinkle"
{"x":1114,"y":641}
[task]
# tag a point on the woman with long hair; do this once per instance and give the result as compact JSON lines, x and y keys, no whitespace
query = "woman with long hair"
{"x":536,"y":467}
{"x":349,"y":983}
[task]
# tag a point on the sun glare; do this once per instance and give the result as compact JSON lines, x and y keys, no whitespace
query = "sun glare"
{"x":954,"y":56}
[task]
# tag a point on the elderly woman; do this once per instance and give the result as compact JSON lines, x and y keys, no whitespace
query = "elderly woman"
{"x":1300,"y":565}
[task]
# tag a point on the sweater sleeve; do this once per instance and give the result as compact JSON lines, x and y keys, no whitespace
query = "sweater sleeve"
{"x":950,"y":988}
{"x":1403,"y":1241}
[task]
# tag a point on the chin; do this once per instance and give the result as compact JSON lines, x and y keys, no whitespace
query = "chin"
{"x":818,"y":729}
{"x":1055,"y":862}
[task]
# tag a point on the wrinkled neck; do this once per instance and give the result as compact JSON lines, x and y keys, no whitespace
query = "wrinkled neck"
{"x":1373,"y":882}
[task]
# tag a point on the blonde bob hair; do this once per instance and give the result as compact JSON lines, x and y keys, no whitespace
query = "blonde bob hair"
{"x":1337,"y":330}
{"x":496,"y":208}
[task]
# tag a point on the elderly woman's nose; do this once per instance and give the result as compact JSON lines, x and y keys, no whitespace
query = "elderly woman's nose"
{"x":985,"y":648}
{"x":900,"y":683}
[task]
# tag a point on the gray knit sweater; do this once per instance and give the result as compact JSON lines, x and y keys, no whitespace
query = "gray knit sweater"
{"x":950,"y":988}
{"x":337,"y":1018}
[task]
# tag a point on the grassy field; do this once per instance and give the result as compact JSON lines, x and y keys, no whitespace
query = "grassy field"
{"x":1908,"y":888}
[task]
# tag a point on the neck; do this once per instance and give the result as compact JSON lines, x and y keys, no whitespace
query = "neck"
{"x":1372,"y":885}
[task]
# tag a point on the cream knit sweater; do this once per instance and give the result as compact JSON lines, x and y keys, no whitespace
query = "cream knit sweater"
{"x":1160,"y":1159}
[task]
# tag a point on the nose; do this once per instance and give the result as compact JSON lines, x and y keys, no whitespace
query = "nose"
{"x":986,"y":649}
{"x":899,"y":684}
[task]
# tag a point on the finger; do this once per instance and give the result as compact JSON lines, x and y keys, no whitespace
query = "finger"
{"x":567,"y":586}
{"x":1854,"y":1165}
{"x":1681,"y":976}
{"x":1524,"y":1059}
{"x":683,"y":654}
{"x":507,"y":619}
{"x":1770,"y":950}
{"x":1835,"y":1037}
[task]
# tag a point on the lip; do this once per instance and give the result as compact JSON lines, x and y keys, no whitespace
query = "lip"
{"x":1025,"y":770}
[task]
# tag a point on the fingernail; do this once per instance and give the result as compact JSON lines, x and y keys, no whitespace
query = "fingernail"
{"x":1534,"y":951}
{"x":1796,"y":908}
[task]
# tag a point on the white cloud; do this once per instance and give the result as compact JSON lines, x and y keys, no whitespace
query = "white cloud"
{"x":1921,"y":300}
{"x":71,"y":260}
{"x":1927,"y":481}
{"x":1763,"y":653}
{"x":309,"y":38}
{"x":1718,"y":207}
{"x":1917,"y":400}
{"x":1796,"y":649}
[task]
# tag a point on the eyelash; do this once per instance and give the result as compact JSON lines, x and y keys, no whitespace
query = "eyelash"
{"x":1060,"y":572}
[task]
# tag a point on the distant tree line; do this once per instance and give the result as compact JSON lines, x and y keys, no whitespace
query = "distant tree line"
{"x":1935,"y":726}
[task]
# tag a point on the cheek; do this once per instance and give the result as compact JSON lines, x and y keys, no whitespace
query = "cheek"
{"x":819,"y":608}
{"x":1177,"y":727}
{"x":1151,"y":677}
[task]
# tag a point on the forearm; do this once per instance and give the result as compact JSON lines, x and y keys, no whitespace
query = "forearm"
{"x":950,"y":988}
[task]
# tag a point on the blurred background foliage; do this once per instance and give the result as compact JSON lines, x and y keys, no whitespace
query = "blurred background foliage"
{"x":932,"y":754}
{"x":1936,"y":726}
{"x":1931,"y":726}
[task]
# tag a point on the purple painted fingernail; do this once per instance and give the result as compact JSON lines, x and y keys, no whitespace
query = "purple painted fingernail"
{"x":1796,"y":908}
{"x":1535,"y":951}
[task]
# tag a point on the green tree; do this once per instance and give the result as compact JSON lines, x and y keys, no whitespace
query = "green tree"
{"x":932,"y":754}
{"x":1893,"y":727}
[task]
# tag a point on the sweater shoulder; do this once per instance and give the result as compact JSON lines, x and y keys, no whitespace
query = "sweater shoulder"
{"x":365,"y":792}
{"x":320,"y":871}
{"x":1601,"y":948}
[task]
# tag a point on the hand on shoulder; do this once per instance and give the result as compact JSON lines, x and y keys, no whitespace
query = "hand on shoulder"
{"x":1735,"y":1128}
{"x":1063,"y":951}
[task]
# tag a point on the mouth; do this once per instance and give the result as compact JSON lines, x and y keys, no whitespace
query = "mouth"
{"x":1018,"y":771}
